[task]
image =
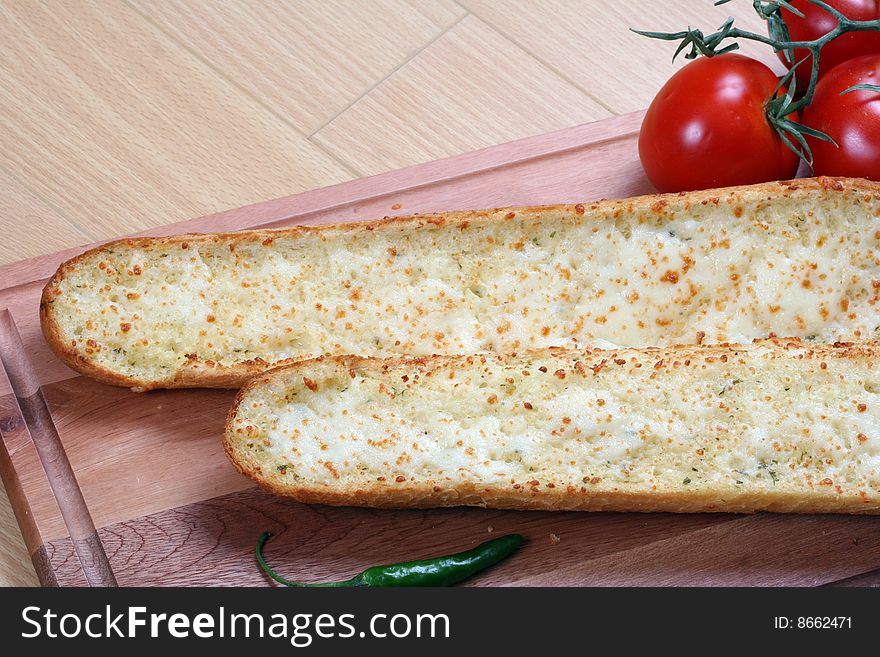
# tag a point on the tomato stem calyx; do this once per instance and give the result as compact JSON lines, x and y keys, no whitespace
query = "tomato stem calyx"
{"x":778,"y":107}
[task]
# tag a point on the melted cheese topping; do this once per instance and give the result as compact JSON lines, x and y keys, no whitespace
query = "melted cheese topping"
{"x":749,"y":420}
{"x":800,"y":264}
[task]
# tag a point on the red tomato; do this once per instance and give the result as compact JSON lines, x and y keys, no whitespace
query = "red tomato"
{"x":817,"y":22}
{"x":706,"y":128}
{"x":852,"y":120}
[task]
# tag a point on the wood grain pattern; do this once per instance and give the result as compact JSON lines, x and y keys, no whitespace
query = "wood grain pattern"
{"x":211,"y":543}
{"x":40,"y":424}
{"x":468,"y":88}
{"x":760,"y":550}
{"x":309,"y":60}
{"x":589,"y":43}
{"x":26,"y":480}
{"x":122,"y":129}
{"x":137,"y":435}
{"x":56,"y":231}
{"x":16,"y":567}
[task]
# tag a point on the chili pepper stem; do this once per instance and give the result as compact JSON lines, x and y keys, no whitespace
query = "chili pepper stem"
{"x":440,"y":571}
{"x":261,"y":543}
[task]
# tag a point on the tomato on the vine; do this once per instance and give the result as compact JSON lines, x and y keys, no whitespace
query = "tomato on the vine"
{"x":707,"y":128}
{"x":817,"y":22}
{"x":852,"y":120}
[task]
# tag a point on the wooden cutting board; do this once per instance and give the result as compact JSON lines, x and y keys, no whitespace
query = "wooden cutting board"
{"x":112,"y":487}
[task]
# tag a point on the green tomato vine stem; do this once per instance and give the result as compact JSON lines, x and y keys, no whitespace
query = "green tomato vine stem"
{"x":778,"y":108}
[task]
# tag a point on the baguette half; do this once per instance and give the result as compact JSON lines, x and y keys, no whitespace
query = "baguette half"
{"x":775,"y":426}
{"x":797,"y":259}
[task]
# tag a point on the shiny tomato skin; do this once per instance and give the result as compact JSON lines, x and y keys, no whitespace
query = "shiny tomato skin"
{"x":817,"y":22}
{"x":852,"y":120}
{"x":706,"y":128}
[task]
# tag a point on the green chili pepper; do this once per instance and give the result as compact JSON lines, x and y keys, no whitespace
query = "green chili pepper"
{"x":440,"y":571}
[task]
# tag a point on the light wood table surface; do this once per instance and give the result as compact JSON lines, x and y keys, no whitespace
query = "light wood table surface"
{"x":120,"y":115}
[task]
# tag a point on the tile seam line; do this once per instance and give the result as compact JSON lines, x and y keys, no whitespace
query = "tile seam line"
{"x":601,"y":103}
{"x":51,"y":204}
{"x":228,"y":80}
{"x":397,"y":68}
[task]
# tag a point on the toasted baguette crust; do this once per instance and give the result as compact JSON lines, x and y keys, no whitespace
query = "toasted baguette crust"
{"x":194,"y":374}
{"x":371,"y":467}
{"x":221,"y":368}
